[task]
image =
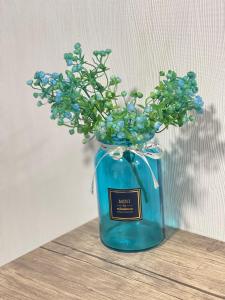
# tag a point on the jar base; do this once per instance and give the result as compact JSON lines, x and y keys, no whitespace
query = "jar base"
{"x":133,"y":237}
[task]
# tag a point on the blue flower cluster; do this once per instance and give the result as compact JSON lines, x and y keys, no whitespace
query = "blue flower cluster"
{"x":44,"y":79}
{"x":198,"y":104}
{"x":87,"y":100}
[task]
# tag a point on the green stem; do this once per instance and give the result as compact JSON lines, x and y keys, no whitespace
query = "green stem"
{"x":161,"y":130}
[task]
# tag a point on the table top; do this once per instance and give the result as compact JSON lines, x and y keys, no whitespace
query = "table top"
{"x":77,"y":266}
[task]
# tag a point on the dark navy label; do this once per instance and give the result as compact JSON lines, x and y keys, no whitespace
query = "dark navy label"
{"x":125,"y":204}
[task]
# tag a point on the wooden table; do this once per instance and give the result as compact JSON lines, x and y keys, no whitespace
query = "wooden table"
{"x":78,"y":266}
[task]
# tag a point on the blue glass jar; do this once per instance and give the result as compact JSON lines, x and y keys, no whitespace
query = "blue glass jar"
{"x":130,"y":208}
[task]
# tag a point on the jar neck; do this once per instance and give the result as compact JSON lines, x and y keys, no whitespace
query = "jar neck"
{"x":117,"y":142}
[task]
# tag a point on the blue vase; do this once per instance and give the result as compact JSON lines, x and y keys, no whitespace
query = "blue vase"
{"x":130,"y":208}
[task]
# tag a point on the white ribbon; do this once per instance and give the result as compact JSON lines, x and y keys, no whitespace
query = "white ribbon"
{"x":116,"y":152}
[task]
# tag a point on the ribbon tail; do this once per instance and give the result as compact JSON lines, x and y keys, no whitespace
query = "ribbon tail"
{"x":93,"y":177}
{"x":155,"y":182}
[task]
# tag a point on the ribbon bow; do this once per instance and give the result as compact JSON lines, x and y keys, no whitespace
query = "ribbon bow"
{"x":151,"y":149}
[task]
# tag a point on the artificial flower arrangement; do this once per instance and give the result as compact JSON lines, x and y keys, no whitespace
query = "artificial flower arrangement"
{"x":86,"y":100}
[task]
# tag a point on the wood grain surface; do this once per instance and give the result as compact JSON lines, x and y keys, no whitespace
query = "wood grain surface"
{"x":77,"y":266}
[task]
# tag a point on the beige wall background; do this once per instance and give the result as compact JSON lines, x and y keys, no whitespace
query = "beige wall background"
{"x":45,"y":173}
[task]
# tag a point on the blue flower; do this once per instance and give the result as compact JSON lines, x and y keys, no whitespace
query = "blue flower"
{"x":68,"y":115}
{"x":120,"y":135}
{"x":140,"y":125}
{"x":189,"y":93}
{"x":58,"y":94}
{"x":29,"y":82}
{"x":58,"y":97}
{"x":76,"y":107}
{"x":109,"y":119}
{"x":55,"y":75}
{"x":69,"y":62}
{"x":148,"y":136}
{"x":76,"y":68}
{"x":180,"y":83}
{"x":130,"y":107}
{"x":39,"y":75}
{"x":157,"y":125}
{"x":148,"y":109}
{"x":198,"y":101}
{"x":140,"y":119}
{"x":120,"y":123}
{"x":98,"y":97}
{"x":44,"y":80}
{"x":52,"y":81}
{"x":134,"y":133}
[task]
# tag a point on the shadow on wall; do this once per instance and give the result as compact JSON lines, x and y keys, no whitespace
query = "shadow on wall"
{"x":193,"y":151}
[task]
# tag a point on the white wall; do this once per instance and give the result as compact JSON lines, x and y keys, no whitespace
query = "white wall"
{"x":45,"y":173}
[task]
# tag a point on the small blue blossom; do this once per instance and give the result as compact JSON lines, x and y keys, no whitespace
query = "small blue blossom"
{"x":198,"y":101}
{"x":76,"y":107}
{"x":58,"y":97}
{"x":121,"y":135}
{"x":76,"y":68}
{"x":134,"y":134}
{"x":180,"y":83}
{"x":68,"y":115}
{"x":130,"y":107}
{"x":69,"y":62}
{"x":58,"y":94}
{"x":29,"y":82}
{"x":148,"y":136}
{"x":140,"y":119}
{"x":140,"y":125}
{"x":52,"y":81}
{"x":55,"y":75}
{"x":98,"y":97}
{"x":44,"y":80}
{"x":109,"y":119}
{"x":157,"y":125}
{"x":148,"y":109}
{"x":120,"y":123}
{"x":190,"y":93}
{"x":39,"y":74}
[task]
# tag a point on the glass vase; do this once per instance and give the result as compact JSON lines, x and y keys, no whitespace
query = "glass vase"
{"x":130,"y":208}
